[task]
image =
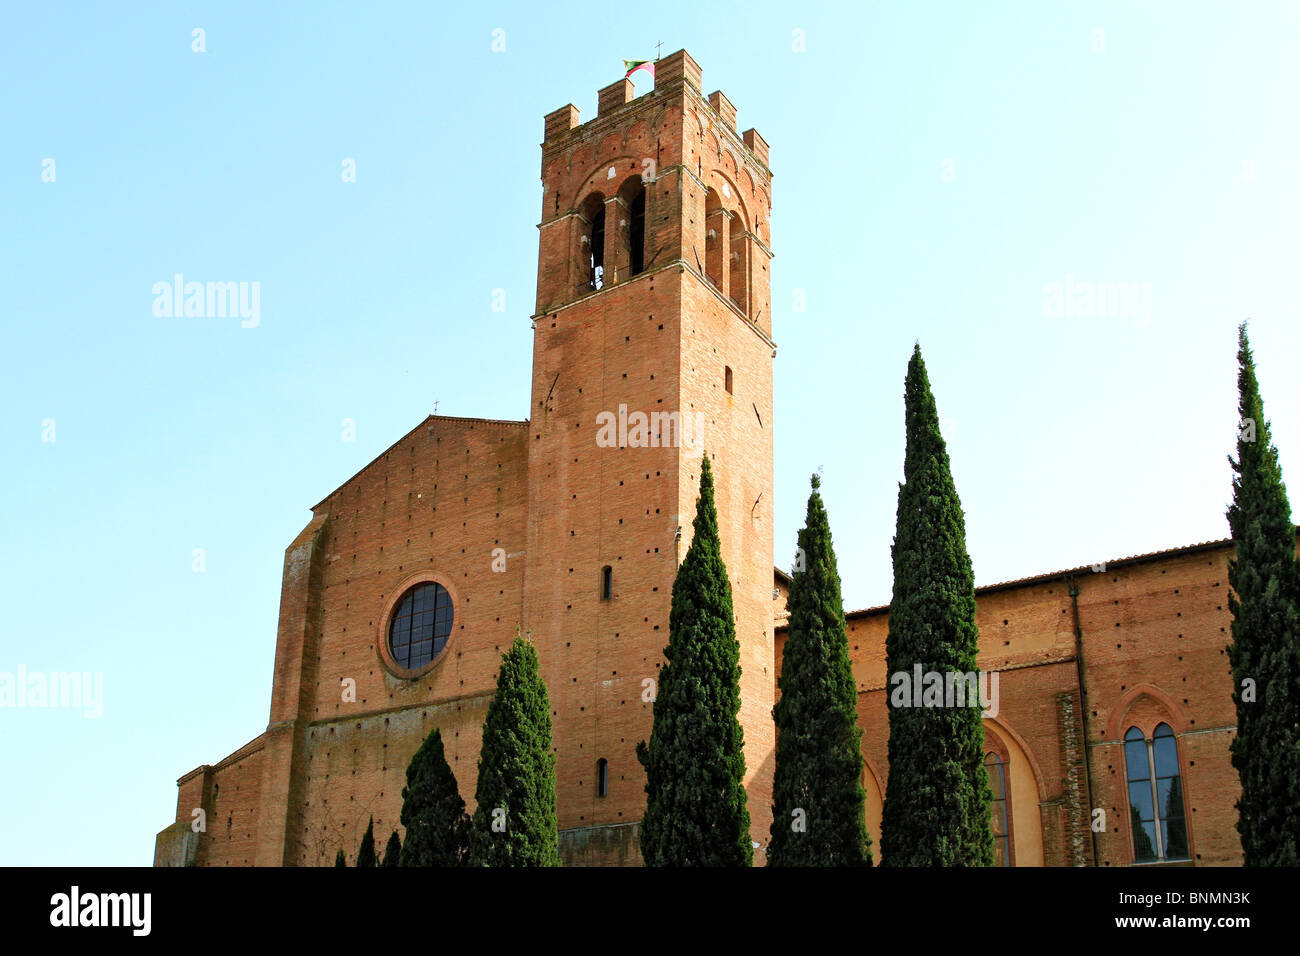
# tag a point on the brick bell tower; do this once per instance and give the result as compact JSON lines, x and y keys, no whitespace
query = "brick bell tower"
{"x":652,"y":344}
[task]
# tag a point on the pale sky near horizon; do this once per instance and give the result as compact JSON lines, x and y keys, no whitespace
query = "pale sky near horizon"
{"x":942,"y":174}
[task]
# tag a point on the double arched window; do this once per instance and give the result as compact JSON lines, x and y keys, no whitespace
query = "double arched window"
{"x":1155,"y":796}
{"x":612,"y":236}
{"x":726,"y":248}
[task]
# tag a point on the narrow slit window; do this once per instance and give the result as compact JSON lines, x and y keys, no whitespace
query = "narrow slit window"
{"x":726,"y":380}
{"x":607,"y":583}
{"x":602,"y":777}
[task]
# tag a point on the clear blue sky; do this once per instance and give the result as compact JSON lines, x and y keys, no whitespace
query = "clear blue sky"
{"x":1171,"y":158}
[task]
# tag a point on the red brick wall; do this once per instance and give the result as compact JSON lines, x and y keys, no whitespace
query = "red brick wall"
{"x":229,"y":794}
{"x":432,"y":507}
{"x":1154,"y":638}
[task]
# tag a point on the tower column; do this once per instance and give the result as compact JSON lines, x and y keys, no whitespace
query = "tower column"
{"x":717,"y":242}
{"x":738,"y":273}
{"x":618,"y":246}
{"x":658,"y":353}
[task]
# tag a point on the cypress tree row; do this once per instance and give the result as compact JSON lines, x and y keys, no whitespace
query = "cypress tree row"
{"x":366,"y":855}
{"x":1265,"y":652}
{"x":696,"y":814}
{"x":393,"y":851}
{"x":433,"y":811}
{"x":818,"y":803}
{"x":515,"y":821}
{"x":937,"y":799}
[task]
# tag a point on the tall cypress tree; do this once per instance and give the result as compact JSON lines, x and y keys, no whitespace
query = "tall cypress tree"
{"x":515,"y":821}
{"x":1265,"y":652}
{"x":937,"y":798}
{"x":818,"y":803}
{"x":696,"y":814}
{"x":339,"y":859}
{"x":366,"y":855}
{"x":393,"y":851}
{"x":433,"y":811}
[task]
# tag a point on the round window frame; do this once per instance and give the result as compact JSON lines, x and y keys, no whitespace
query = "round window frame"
{"x":385,"y":653}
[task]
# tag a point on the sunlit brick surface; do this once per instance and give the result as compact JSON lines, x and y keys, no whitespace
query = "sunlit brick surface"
{"x":558,"y":504}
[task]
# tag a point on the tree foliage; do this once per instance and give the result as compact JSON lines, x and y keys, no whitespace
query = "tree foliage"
{"x":515,"y":821}
{"x":393,"y":851}
{"x":937,"y":798}
{"x":818,"y":808}
{"x":433,"y":811}
{"x":366,"y":855}
{"x":696,"y":812}
{"x":1265,"y":652}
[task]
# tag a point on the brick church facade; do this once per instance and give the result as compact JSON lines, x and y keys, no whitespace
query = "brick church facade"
{"x":652,"y":343}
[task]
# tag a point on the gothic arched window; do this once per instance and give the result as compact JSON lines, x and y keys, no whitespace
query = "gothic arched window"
{"x":998,"y":806}
{"x":1155,"y":796}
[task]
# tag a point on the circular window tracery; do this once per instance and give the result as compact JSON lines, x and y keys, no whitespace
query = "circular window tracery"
{"x":420,"y":626}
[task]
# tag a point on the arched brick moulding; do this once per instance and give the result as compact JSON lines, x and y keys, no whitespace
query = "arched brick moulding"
{"x":870,"y":772}
{"x":1004,"y":731}
{"x":869,"y":768}
{"x":598,"y":180}
{"x":390,"y":605}
{"x":994,"y":744}
{"x":1119,"y":721}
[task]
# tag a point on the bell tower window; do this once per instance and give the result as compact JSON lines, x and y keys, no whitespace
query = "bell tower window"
{"x":632,"y":193}
{"x":738,"y":286}
{"x":715,"y":225}
{"x":638,"y":233}
{"x":591,"y":253}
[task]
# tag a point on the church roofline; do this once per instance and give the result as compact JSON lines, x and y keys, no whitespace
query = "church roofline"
{"x":250,"y":748}
{"x":1069,"y":572}
{"x":423,"y":423}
